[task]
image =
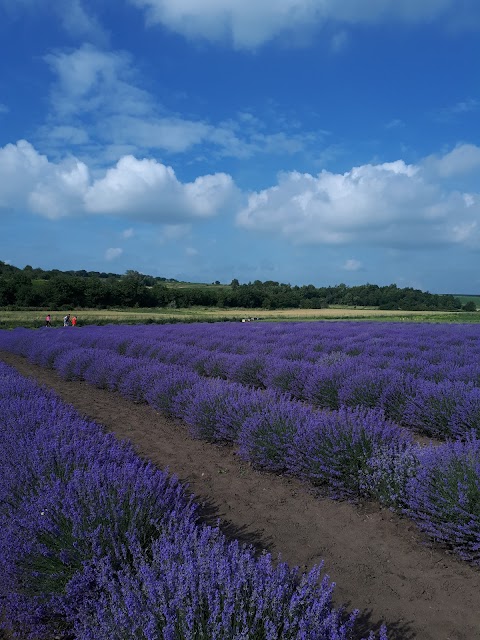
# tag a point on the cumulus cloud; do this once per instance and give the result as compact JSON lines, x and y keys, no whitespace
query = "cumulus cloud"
{"x":135,"y":189}
{"x":153,"y":191}
{"x":249,"y":23}
{"x":31,"y":183}
{"x":464,"y":159}
{"x":391,"y":204}
{"x":128,"y":233}
{"x":113,"y":253}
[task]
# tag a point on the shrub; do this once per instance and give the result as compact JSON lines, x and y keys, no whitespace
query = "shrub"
{"x":267,"y":436}
{"x":198,"y":585}
{"x":161,"y":395}
{"x":323,"y":385}
{"x":431,"y":409}
{"x":364,"y":388}
{"x":338,"y":450}
{"x":444,"y":496}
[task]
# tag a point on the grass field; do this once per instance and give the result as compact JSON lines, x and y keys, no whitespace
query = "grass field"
{"x":34,"y":318}
{"x":468,"y":298}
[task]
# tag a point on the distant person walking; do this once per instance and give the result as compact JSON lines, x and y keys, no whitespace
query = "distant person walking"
{"x":74,"y":321}
{"x":66,"y":320}
{"x":48,"y":321}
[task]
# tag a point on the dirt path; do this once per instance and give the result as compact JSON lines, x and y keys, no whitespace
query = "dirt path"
{"x":379,"y":561}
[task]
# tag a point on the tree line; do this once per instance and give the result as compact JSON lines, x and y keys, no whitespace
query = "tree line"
{"x":55,"y":289}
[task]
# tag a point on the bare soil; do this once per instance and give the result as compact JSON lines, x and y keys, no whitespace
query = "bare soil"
{"x":380,"y":562}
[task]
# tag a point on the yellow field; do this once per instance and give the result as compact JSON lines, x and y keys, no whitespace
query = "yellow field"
{"x":10,"y":319}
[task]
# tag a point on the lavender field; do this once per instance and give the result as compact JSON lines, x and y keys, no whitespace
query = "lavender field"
{"x":336,"y":404}
{"x":343,"y":406}
{"x":97,"y":544}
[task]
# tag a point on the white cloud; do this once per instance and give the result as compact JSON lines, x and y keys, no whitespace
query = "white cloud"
{"x":464,"y":159}
{"x":3,"y":108}
{"x":128,"y":233}
{"x":352,"y":265}
{"x":190,"y":251}
{"x":149,"y":190}
{"x":63,"y":135}
{"x":93,"y":80}
{"x":31,"y":183}
{"x":249,"y":23}
{"x":391,"y":204}
{"x":113,"y":253}
{"x":172,"y":134}
{"x":394,"y":204}
{"x":135,"y":189}
{"x":98,"y":103}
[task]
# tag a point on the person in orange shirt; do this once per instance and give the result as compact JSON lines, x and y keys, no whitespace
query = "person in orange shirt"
{"x":74,"y":321}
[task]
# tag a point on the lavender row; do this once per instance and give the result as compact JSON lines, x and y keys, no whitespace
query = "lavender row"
{"x":426,"y":345}
{"x":97,"y":543}
{"x":445,"y":352}
{"x":352,"y":451}
{"x":446,"y":408}
{"x":312,"y":341}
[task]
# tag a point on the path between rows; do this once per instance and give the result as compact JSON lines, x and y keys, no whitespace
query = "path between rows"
{"x":380,"y":562}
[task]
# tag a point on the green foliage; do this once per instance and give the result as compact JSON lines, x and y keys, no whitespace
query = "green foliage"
{"x":55,"y":289}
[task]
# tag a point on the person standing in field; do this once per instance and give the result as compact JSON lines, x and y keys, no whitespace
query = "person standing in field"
{"x":48,"y":320}
{"x":74,"y":321}
{"x":66,"y":320}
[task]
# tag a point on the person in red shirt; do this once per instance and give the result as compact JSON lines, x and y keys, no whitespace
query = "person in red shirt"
{"x":74,"y":321}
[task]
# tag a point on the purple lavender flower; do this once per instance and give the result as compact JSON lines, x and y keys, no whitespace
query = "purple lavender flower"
{"x":444,"y":496}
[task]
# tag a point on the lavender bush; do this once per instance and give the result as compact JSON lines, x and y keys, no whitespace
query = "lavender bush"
{"x":267,"y":436}
{"x":444,"y":496}
{"x":216,"y":411}
{"x":197,"y":585}
{"x":443,"y":409}
{"x":161,"y":395}
{"x":341,"y":450}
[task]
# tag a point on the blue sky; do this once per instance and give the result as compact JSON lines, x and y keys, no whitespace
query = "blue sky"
{"x":303,"y":141}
